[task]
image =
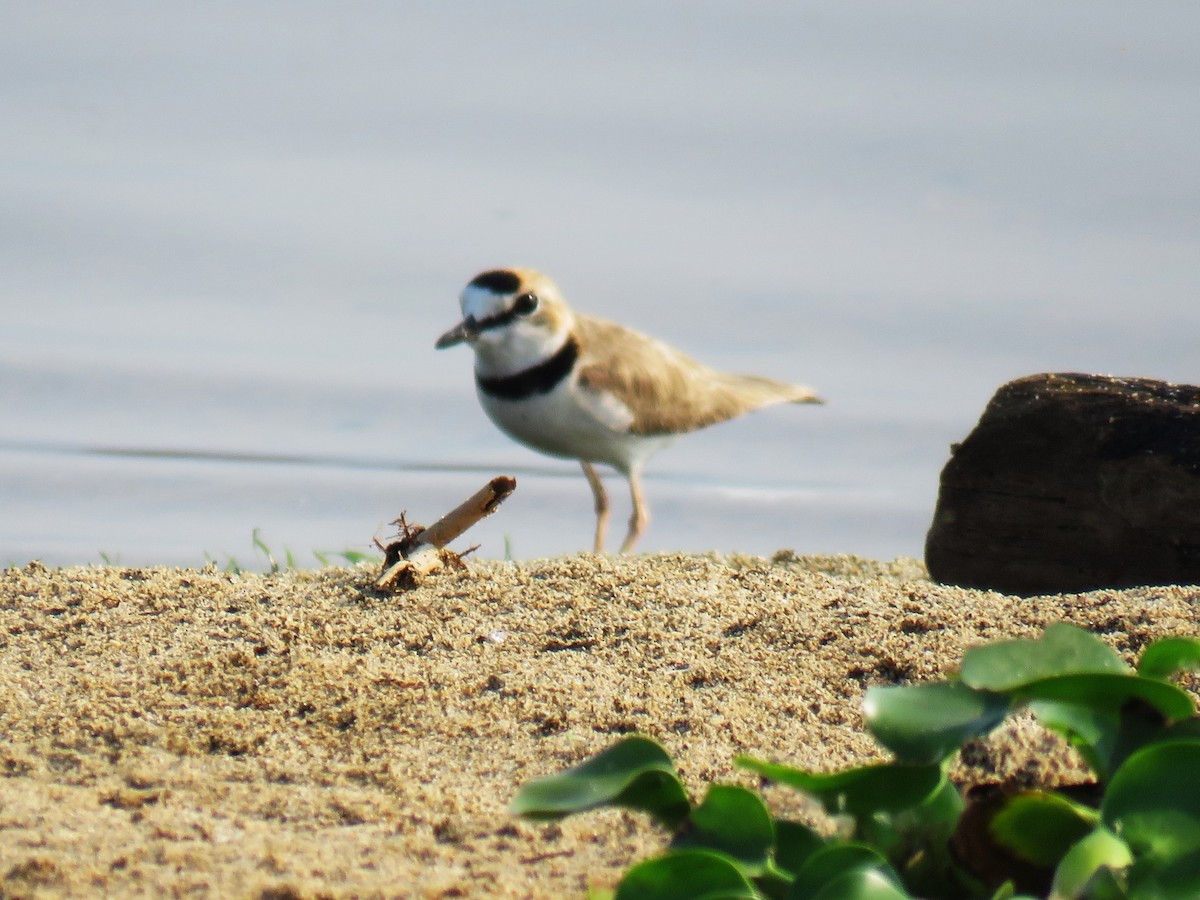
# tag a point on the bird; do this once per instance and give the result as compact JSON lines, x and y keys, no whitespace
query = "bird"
{"x":576,"y":387}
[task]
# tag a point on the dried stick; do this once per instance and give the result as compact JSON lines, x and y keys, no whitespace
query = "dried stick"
{"x":478,"y":506}
{"x":416,"y":554}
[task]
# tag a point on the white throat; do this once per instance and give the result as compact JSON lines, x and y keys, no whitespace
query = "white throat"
{"x":520,"y":343}
{"x":516,"y":347}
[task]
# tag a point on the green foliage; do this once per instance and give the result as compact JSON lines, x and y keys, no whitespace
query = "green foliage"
{"x":857,"y":792}
{"x":274,"y":565}
{"x":1062,"y":649}
{"x":1138,"y":732}
{"x":1153,"y":801}
{"x":925,"y":723}
{"x":261,"y":546}
{"x":636,"y":773}
{"x":1168,"y":656}
{"x":686,"y":874}
{"x":1086,"y":863}
{"x":337,"y":557}
{"x":736,"y":822}
{"x":1041,"y":826}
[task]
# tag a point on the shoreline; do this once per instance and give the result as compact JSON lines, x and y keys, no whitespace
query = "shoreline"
{"x":172,"y":730}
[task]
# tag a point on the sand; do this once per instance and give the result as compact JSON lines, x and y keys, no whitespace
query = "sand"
{"x":173,"y":732}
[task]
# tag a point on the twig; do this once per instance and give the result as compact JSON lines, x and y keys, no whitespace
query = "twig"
{"x":417,"y":553}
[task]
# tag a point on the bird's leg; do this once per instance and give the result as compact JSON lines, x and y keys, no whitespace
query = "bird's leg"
{"x":641,"y":515}
{"x":589,"y":472}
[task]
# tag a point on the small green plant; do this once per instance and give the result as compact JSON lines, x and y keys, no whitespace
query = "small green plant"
{"x":289,"y":564}
{"x":261,"y":546}
{"x":353,"y":557}
{"x":1135,"y":834}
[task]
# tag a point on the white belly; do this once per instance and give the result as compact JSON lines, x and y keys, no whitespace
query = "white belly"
{"x":561,"y":423}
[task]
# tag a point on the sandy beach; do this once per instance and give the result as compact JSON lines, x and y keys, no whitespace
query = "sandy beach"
{"x":196,"y":732}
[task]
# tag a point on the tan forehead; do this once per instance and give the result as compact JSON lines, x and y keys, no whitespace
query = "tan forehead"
{"x":535,"y":281}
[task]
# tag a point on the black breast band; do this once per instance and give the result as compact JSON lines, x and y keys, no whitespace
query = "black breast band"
{"x":539,"y":379}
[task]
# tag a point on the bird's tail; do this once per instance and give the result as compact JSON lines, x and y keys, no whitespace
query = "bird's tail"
{"x":759,"y":392}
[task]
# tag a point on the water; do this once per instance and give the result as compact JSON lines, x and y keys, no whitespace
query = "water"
{"x":229,"y":238}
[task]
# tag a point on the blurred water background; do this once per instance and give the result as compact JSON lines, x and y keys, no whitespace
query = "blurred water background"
{"x":230,"y":233}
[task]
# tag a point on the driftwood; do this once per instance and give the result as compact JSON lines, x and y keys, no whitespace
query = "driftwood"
{"x":420,"y":551}
{"x":1070,"y":483}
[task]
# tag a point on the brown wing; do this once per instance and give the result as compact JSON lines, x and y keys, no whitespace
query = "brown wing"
{"x":666,"y":391}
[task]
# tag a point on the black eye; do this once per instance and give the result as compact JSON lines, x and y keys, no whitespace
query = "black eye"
{"x":525,"y":304}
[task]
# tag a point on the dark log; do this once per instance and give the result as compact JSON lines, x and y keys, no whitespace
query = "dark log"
{"x":1070,"y":483}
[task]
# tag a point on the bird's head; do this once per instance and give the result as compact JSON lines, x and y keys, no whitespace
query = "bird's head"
{"x":512,"y":319}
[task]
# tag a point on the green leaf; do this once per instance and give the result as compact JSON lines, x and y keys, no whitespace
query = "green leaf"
{"x":1093,"y":732}
{"x":860,"y":791}
{"x":830,"y":863}
{"x":1178,"y":878}
{"x":1006,"y":891}
{"x":861,"y":884}
{"x":940,"y":811}
{"x":1062,"y":650}
{"x":354,"y":557}
{"x":794,"y":844}
{"x":916,"y":840}
{"x":636,"y":773}
{"x":686,"y":875}
{"x":1101,"y":849}
{"x":1153,"y":800}
{"x":733,"y":820}
{"x":1110,"y":884}
{"x":1040,"y":826}
{"x":927,"y":824}
{"x":1107,"y":691}
{"x":1115,"y":724}
{"x":1167,"y":656}
{"x":926,"y":723}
